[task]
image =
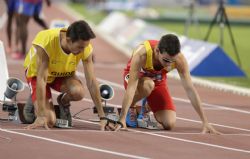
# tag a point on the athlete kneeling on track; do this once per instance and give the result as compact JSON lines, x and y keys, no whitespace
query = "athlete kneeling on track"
{"x":145,"y":76}
{"x":51,"y":63}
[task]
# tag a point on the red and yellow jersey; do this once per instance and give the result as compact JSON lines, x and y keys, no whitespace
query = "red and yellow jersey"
{"x":60,"y":63}
{"x":148,"y":70}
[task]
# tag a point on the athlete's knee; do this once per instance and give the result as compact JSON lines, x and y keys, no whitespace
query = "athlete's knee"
{"x":76,"y":93}
{"x":168,"y":125}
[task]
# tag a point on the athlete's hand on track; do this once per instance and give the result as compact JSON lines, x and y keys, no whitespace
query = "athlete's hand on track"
{"x":39,"y":122}
{"x":120,"y":126}
{"x":111,"y":125}
{"x":208,"y":128}
{"x":103,"y":124}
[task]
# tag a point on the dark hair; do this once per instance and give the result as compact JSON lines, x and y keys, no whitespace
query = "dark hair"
{"x":169,"y":44}
{"x":80,"y":30}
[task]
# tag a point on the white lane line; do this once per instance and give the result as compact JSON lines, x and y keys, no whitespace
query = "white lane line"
{"x":214,"y":106}
{"x":187,"y":133}
{"x":74,"y":129}
{"x":174,"y":98}
{"x":74,"y":145}
{"x":195,"y":142}
{"x":180,"y":139}
{"x":225,"y":126}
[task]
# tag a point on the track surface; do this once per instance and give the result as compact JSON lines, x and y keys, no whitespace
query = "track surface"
{"x":229,"y":113}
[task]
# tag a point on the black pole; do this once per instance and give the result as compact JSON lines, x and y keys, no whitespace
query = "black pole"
{"x":222,"y":21}
{"x":232,"y":38}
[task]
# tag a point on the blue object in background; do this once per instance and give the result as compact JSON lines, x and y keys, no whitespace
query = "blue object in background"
{"x":209,"y":60}
{"x":218,"y":64}
{"x":233,"y":2}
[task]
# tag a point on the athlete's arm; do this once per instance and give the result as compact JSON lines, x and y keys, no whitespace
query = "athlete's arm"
{"x":136,"y":65}
{"x":40,"y":103}
{"x":192,"y":94}
{"x":92,"y":84}
{"x":42,"y":74}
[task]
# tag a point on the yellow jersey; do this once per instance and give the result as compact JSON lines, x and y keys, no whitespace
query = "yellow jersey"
{"x":60,"y":63}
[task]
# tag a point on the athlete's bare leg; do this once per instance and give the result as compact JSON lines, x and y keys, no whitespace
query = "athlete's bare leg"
{"x":166,"y":118}
{"x":73,"y":88}
{"x":144,"y":88}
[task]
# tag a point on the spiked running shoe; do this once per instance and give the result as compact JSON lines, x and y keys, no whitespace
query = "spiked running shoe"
{"x":29,"y":112}
{"x":64,"y":110}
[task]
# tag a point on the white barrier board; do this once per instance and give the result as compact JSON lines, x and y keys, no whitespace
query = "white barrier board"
{"x":3,"y":71}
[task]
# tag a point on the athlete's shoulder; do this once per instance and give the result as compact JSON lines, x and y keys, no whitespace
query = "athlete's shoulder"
{"x":139,"y":50}
{"x":49,"y":32}
{"x":47,"y":35}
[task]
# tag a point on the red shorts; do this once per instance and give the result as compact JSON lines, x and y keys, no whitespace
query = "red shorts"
{"x":56,"y":85}
{"x":159,"y":99}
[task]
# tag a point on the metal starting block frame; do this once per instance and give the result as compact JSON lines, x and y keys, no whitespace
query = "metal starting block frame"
{"x":15,"y":114}
{"x":109,"y":113}
{"x":106,"y":109}
{"x":114,"y":117}
{"x":61,"y":123}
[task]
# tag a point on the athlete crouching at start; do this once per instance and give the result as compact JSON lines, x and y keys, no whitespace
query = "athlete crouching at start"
{"x":51,"y":63}
{"x":146,"y":77}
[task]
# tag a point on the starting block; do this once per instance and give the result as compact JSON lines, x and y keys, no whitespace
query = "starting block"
{"x":15,"y":111}
{"x":148,"y":121}
{"x":61,"y":123}
{"x":114,"y":117}
{"x":16,"y":114}
{"x":106,"y":109}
